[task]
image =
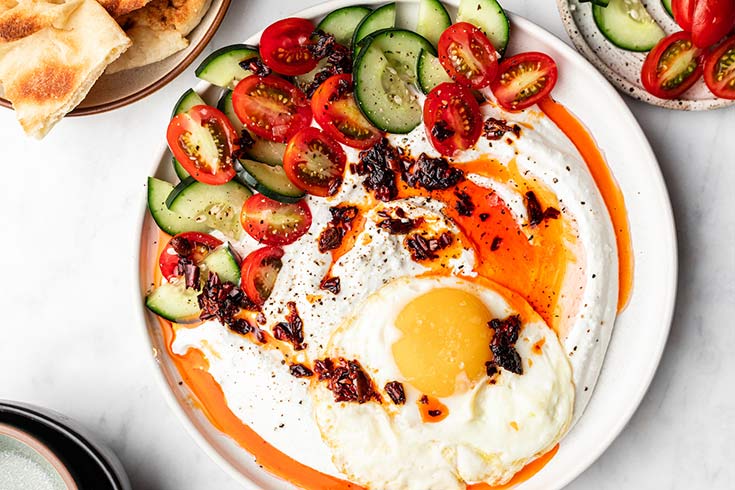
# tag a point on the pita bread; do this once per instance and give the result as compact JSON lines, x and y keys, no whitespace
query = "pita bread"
{"x":116,"y":8}
{"x":159,"y":30}
{"x":51,"y":53}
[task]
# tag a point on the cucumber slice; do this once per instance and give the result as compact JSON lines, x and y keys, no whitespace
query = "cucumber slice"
{"x":303,"y":81}
{"x":342,"y":23}
{"x":175,"y":302}
{"x":222,"y":67}
{"x":216,"y":207}
{"x":222,"y":263}
{"x":433,"y":20}
{"x":384,"y":74}
{"x":628,"y":25}
{"x":489,"y":17}
{"x":601,"y":3}
{"x":430,"y":72}
{"x":188,"y":100}
{"x":262,"y":150}
{"x":269,"y":180}
{"x":167,"y":220}
{"x":667,"y":6}
{"x":381,"y":18}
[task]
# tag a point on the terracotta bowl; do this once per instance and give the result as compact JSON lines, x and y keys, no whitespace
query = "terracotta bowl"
{"x":123,"y":88}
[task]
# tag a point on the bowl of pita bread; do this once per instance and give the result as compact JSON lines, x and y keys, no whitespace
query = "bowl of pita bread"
{"x":83,"y":57}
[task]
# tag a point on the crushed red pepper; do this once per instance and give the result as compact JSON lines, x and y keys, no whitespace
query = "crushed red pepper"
{"x":535,"y":213}
{"x":292,"y":330}
{"x":423,"y":248}
{"x":494,"y":129}
{"x":347,"y":380}
{"x":502,"y":345}
{"x":396,"y":392}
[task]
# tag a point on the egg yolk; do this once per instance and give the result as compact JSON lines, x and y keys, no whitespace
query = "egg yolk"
{"x":444,"y":343}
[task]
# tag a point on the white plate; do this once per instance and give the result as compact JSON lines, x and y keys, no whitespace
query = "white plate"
{"x":640,"y":331}
{"x":623,"y":67}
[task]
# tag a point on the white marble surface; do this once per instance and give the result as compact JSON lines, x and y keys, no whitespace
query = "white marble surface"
{"x":69,"y":339}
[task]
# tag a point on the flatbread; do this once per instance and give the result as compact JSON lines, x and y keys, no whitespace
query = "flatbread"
{"x":51,"y":53}
{"x":159,"y":30}
{"x":116,"y":8}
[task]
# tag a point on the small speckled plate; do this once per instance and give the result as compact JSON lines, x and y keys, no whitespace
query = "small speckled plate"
{"x":623,"y":67}
{"x":120,"y":89}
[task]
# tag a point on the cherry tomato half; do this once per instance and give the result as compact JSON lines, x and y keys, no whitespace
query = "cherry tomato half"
{"x":192,"y":245}
{"x":275,"y":223}
{"x":708,"y":20}
{"x":468,"y":56}
{"x":719,"y":70}
{"x":284,"y":46}
{"x":672,"y":66}
{"x":452,"y":118}
{"x":524,"y":79}
{"x":259,"y":273}
{"x":271,"y":107}
{"x":336,"y":111}
{"x":203,"y":140}
{"x":314,"y":162}
{"x":683,"y":11}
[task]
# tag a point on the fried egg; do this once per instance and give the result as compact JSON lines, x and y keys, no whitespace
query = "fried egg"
{"x":431,"y":334}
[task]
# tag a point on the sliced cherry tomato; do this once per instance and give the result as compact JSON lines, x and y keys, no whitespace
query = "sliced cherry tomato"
{"x":192,"y":245}
{"x":683,"y":11}
{"x":336,"y":111}
{"x":314,"y":162}
{"x":271,"y":107}
{"x":259,"y":272}
{"x":452,"y":118}
{"x":719,"y":70}
{"x":672,"y":66}
{"x":284,"y":46}
{"x":204,"y":141}
{"x":468,"y":56}
{"x":524,"y":79}
{"x":275,"y":223}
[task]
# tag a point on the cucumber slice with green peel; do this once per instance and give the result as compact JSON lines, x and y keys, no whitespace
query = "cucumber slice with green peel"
{"x":216,"y":207}
{"x":269,"y":180}
{"x":342,"y":23}
{"x":385,"y":74}
{"x":433,"y":20}
{"x":430,"y":72}
{"x":222,"y":263}
{"x":601,"y":3}
{"x":167,"y":220}
{"x":489,"y":17}
{"x":187,"y":100}
{"x":175,"y":302}
{"x":180,"y":171}
{"x":303,"y":81}
{"x":262,"y":150}
{"x":381,"y":18}
{"x":667,"y":6}
{"x":222,"y":67}
{"x":628,"y":25}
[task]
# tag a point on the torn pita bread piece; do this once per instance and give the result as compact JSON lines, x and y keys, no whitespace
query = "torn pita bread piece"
{"x":159,"y":30}
{"x":117,"y":8}
{"x":51,"y":53}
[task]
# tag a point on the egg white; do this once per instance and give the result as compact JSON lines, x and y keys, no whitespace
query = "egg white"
{"x":492,"y":430}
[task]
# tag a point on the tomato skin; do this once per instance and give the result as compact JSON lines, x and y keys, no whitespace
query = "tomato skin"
{"x":668,"y":50}
{"x":509,"y":87}
{"x":336,"y":111}
{"x":468,"y":56}
{"x":182,"y":133}
{"x":284,"y":46}
{"x":454,"y":108}
{"x":711,"y":21}
{"x":683,"y":11}
{"x":202,"y":245}
{"x":271,"y":107}
{"x":719,"y":70}
{"x":314,"y":163}
{"x":257,"y":273}
{"x":275,"y":223}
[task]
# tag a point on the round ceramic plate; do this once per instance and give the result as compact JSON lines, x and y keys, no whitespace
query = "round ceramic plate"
{"x":640,"y":331}
{"x":125,"y":87}
{"x":623,"y":68}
